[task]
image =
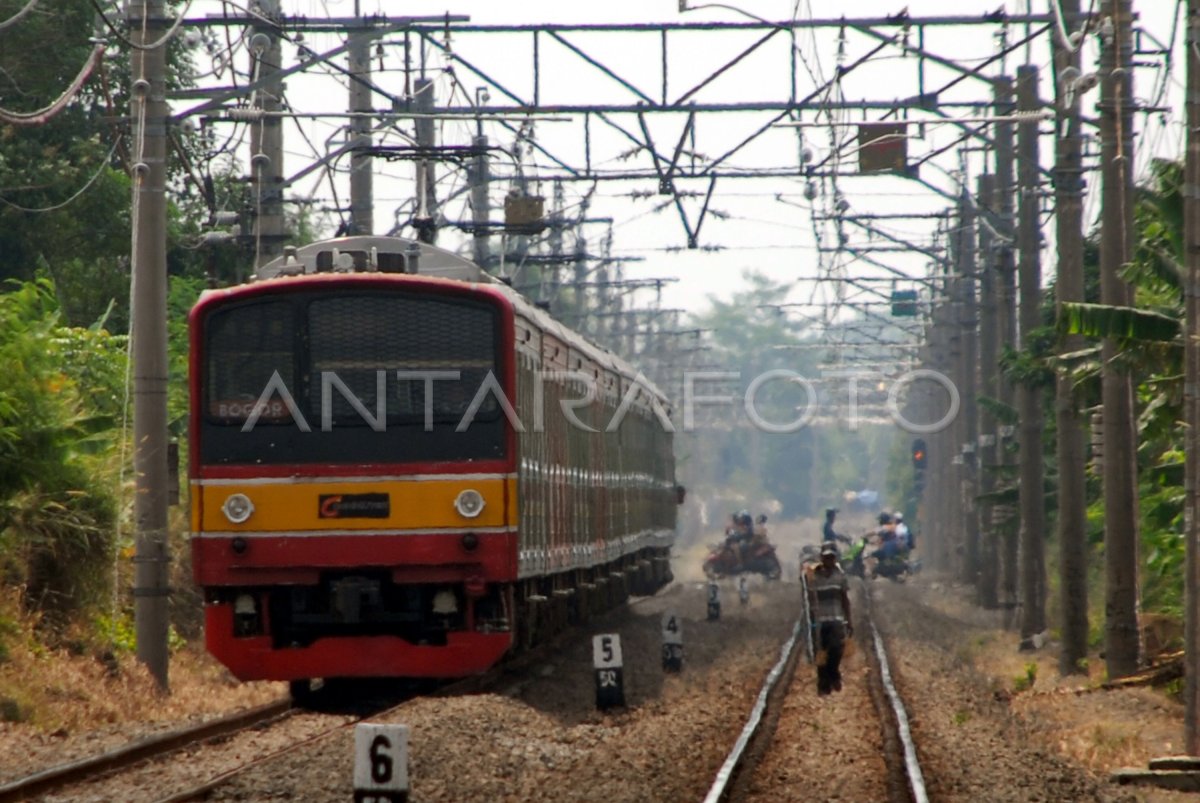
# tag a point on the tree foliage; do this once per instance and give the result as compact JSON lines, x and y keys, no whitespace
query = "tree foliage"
{"x":62,"y":396}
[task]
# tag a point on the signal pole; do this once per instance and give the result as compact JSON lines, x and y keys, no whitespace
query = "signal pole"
{"x":148,"y":110}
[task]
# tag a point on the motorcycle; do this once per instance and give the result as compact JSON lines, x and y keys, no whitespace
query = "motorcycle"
{"x":722,"y":561}
{"x":895,"y":566}
{"x":852,"y":561}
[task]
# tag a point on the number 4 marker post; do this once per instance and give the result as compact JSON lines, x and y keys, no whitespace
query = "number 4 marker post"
{"x":672,"y":642}
{"x":380,"y":763}
{"x":606,"y":658}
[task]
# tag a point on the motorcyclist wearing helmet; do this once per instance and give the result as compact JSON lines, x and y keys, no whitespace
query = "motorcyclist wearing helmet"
{"x":739,"y":538}
{"x":904,"y":537}
{"x":887,"y":535}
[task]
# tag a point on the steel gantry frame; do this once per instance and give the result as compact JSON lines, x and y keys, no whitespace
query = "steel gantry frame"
{"x":449,"y":38}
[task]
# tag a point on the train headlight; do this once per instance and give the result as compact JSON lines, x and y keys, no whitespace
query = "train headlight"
{"x":469,"y":503}
{"x":238,"y":508}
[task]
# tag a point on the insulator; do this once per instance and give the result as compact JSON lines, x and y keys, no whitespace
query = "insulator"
{"x":245,"y":115}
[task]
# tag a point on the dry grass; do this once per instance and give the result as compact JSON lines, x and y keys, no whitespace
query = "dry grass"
{"x":1103,"y":730}
{"x":80,"y":688}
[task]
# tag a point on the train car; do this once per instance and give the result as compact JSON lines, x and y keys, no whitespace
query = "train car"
{"x":401,"y":467}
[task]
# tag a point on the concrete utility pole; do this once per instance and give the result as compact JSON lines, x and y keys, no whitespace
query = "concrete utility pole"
{"x":479,"y":177}
{"x":1121,"y":637}
{"x":266,"y":141}
{"x":362,"y":201}
{"x":1029,"y":396}
{"x":427,"y":204}
{"x":1069,"y":288}
{"x":1191,"y":386}
{"x":148,"y":110}
{"x":965,"y":321}
{"x":989,"y":378}
{"x":1006,"y":331}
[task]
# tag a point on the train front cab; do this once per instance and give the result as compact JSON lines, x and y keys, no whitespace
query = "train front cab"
{"x":335,"y":539}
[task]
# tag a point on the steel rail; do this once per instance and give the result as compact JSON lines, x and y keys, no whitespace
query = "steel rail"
{"x":912,"y":767}
{"x":478,"y":684}
{"x":84,"y":769}
{"x":724,"y":775}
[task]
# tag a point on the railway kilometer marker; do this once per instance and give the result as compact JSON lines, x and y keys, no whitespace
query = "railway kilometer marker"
{"x":714,"y":602}
{"x":610,"y":682}
{"x":672,"y":642}
{"x":380,"y":763}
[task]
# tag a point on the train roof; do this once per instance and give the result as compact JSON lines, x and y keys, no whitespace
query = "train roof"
{"x":398,"y":255}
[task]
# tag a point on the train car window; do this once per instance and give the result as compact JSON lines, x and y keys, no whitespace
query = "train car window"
{"x":255,"y":348}
{"x":355,"y":337}
{"x":248,"y":346}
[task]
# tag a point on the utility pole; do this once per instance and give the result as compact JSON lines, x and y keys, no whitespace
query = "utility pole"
{"x":1033,"y":510}
{"x":968,"y":358}
{"x":989,"y":379}
{"x":425,"y":219}
{"x":579,"y":291}
{"x":1121,"y":637}
{"x":1069,"y":288}
{"x":1006,"y":331}
{"x":1191,"y":388}
{"x":479,"y":176}
{"x":362,"y":203}
{"x":266,"y":141}
{"x":555,"y":241}
{"x":148,"y":110}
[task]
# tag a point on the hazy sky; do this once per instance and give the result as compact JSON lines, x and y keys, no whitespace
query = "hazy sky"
{"x":759,"y":224}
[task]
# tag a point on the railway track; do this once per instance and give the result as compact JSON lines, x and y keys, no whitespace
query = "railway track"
{"x":57,"y":782}
{"x":76,"y":772}
{"x":905,"y":781}
{"x":262,"y":759}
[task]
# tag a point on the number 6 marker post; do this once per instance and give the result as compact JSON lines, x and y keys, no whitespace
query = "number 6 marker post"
{"x":672,"y":642}
{"x":380,"y":763}
{"x":606,"y":658}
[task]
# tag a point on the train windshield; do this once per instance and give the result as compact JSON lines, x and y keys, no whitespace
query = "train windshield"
{"x":351,"y":377}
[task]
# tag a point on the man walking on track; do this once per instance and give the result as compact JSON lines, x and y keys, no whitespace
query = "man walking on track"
{"x":829,"y":601}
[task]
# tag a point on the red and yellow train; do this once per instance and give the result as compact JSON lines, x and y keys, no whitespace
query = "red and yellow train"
{"x":401,"y":467}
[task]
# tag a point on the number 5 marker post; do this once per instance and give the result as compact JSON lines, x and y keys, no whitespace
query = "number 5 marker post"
{"x":606,"y":658}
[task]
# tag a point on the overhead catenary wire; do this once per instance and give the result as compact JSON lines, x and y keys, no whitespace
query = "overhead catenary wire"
{"x":166,"y":37}
{"x":15,"y":18}
{"x":74,"y":196}
{"x":46,"y":113}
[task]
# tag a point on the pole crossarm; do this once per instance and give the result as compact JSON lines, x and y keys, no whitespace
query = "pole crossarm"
{"x":936,"y":254}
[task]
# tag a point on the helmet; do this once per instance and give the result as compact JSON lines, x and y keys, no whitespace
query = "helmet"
{"x":885,"y":518}
{"x":899,"y":516}
{"x":743,"y":517}
{"x":831,"y":511}
{"x":829,"y":548}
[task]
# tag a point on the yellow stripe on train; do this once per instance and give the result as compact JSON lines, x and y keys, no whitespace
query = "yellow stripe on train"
{"x":332,"y":505}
